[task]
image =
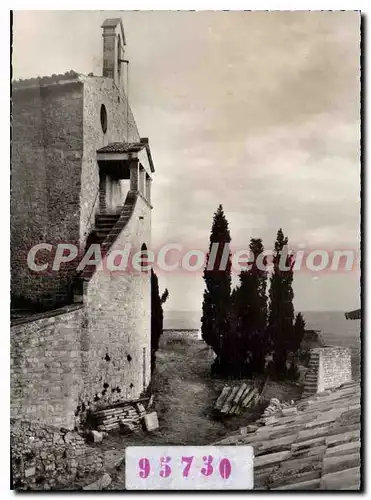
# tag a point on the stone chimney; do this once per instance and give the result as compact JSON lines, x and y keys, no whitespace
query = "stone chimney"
{"x":113,"y":50}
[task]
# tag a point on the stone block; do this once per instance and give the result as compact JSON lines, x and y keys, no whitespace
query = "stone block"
{"x":30,"y":472}
{"x":151,"y":421}
{"x":271,"y":458}
{"x":248,"y":429}
{"x":286,"y":412}
{"x":95,"y":436}
{"x":102,"y":483}
{"x":341,"y":480}
{"x":343,"y":449}
{"x":335,"y":463}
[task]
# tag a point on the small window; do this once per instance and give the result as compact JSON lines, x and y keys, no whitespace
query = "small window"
{"x":103,"y":118}
{"x":144,"y":258}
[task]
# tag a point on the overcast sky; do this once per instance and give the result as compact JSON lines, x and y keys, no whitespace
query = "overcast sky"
{"x":258,"y":111}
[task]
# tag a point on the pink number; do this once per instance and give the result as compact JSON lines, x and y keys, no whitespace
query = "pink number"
{"x":166,"y":470}
{"x":208,"y":469}
{"x":188,"y":461}
{"x":144,"y":467}
{"x":225,"y":468}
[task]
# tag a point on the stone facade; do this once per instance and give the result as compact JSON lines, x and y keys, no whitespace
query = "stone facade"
{"x":118,"y":310}
{"x":97,"y":352}
{"x":121,"y":126}
{"x":47,"y":150}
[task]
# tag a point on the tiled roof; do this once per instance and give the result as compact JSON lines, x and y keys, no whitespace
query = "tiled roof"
{"x":45,"y":80}
{"x":122,"y":147}
{"x":311,"y":445}
{"x":357,"y":314}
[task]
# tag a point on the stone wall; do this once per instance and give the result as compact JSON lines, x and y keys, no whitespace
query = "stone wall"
{"x":46,"y":457}
{"x":329,"y":368}
{"x":335,"y":367}
{"x":46,"y":366}
{"x":121,"y":127}
{"x":47,"y":148}
{"x":56,"y":132}
{"x":118,"y":306}
{"x":75,"y":359}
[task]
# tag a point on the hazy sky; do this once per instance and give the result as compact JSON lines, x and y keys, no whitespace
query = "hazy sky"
{"x":258,"y":111}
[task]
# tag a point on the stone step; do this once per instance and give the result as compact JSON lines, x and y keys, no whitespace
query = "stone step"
{"x":109,"y":216}
{"x":102,"y":234}
{"x":104,"y":227}
{"x":105,"y":223}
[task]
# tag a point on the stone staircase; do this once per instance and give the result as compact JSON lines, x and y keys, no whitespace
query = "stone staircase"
{"x":103,"y":225}
{"x":311,"y":377}
{"x":107,"y":229}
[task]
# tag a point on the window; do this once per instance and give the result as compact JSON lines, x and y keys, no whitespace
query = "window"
{"x":103,"y":118}
{"x":144,"y":258}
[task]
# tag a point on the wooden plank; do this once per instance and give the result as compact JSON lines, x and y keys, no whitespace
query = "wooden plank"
{"x":245,"y":392}
{"x":222,"y":397}
{"x":248,"y":398}
{"x":238,"y":399}
{"x":236,"y":410}
{"x":228,"y":403}
{"x":239,"y":393}
{"x":150,"y":402}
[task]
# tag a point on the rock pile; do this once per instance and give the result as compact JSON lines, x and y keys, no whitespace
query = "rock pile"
{"x":46,"y":457}
{"x":126,"y":417}
{"x":276,"y":405}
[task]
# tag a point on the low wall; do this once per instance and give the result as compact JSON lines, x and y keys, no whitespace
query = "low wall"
{"x":46,"y":367}
{"x":329,"y":368}
{"x":335,"y":367}
{"x":45,"y":457}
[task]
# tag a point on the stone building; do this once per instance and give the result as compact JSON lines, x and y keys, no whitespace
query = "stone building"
{"x":81,"y":174}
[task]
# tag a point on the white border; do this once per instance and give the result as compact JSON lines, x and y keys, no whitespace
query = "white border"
{"x":4,"y":182}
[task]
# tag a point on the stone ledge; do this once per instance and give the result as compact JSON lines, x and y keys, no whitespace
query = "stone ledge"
{"x":46,"y":314}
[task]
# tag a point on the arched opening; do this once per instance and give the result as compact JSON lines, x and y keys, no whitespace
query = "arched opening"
{"x":144,"y":263}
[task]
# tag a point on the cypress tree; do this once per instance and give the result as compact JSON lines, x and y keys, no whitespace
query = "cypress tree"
{"x":250,"y":301}
{"x":299,"y":331}
{"x":217,"y":276}
{"x":157,"y":316}
{"x":281,"y":309}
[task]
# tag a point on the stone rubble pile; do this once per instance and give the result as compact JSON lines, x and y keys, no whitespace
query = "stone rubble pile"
{"x":128,"y":417}
{"x":275,"y":405}
{"x":45,"y":457}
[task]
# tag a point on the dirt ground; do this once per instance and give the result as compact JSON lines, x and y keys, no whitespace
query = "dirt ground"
{"x":185,"y":394}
